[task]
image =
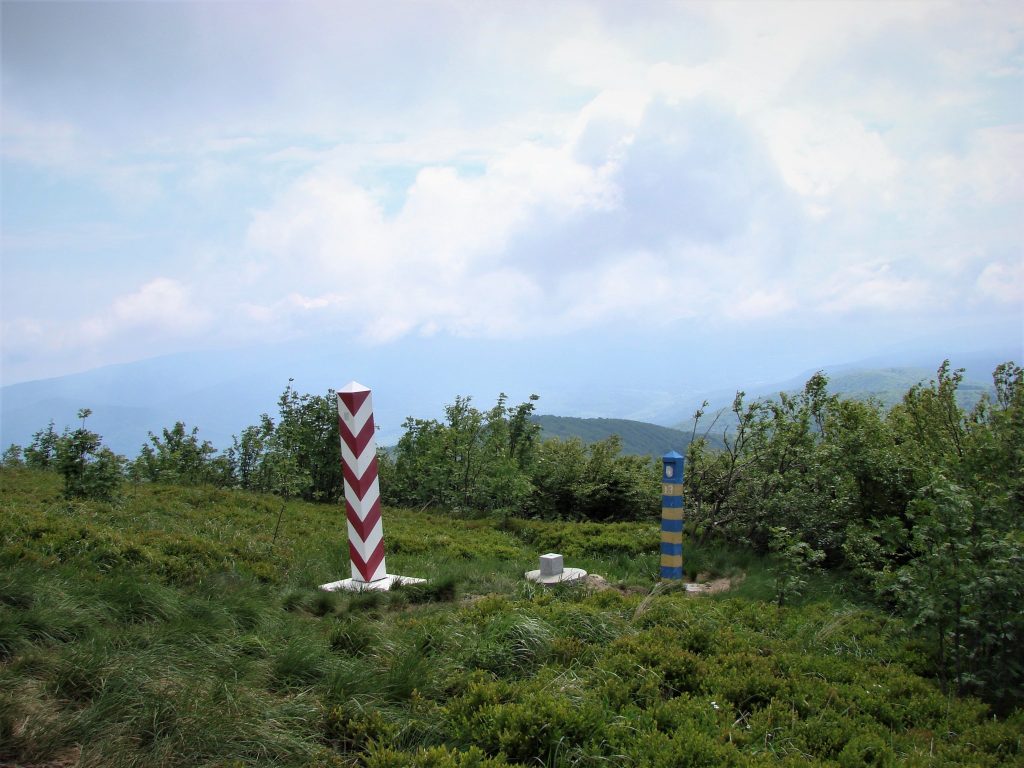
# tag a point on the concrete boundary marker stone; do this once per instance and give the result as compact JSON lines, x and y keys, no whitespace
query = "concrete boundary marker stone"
{"x":552,"y":570}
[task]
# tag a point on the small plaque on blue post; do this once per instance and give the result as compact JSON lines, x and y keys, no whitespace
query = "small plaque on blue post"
{"x":672,"y":471}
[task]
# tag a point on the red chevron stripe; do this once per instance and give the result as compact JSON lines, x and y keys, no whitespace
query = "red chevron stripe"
{"x":354,"y":400}
{"x":360,"y":484}
{"x":356,"y":443}
{"x":363,"y":527}
{"x":367,"y":567}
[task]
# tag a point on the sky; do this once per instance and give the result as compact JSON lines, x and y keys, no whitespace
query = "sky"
{"x":200,"y":175}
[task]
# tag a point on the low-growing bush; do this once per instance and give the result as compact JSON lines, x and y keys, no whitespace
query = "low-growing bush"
{"x":431,"y":757}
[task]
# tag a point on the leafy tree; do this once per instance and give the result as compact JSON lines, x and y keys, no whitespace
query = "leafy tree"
{"x":780,"y":467}
{"x":931,"y":427}
{"x":247,"y":451}
{"x":299,"y":455}
{"x":307,"y":432}
{"x":90,"y":469}
{"x":179,"y":457}
{"x":41,"y":453}
{"x":713,"y":475}
{"x":12,"y":457}
{"x":961,"y":576}
{"x":594,"y":482}
{"x":422,"y":470}
{"x":924,"y":503}
{"x":494,"y":460}
{"x":794,"y":560}
{"x":474,"y":460}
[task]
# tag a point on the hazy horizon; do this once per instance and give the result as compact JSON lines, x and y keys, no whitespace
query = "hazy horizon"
{"x":803,"y":183}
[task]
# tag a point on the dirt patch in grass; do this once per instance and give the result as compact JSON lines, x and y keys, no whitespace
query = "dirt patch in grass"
{"x":715,"y":586}
{"x":705,"y":585}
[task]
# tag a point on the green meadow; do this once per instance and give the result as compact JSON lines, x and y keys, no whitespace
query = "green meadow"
{"x":171,"y":628}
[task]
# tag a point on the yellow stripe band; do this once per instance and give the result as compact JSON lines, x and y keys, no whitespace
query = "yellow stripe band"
{"x":671,"y":513}
{"x":670,"y":561}
{"x":670,"y":537}
{"x":671,"y":489}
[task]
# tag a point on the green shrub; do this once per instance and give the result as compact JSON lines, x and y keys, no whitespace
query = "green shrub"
{"x":354,"y":727}
{"x":867,"y":750}
{"x":431,"y":757}
{"x":90,"y":470}
{"x":658,"y":650}
{"x":684,"y":746}
{"x":535,"y":727}
{"x":746,"y":680}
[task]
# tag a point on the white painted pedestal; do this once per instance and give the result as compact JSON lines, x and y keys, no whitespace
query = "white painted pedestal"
{"x":552,"y":571}
{"x":379,"y":585}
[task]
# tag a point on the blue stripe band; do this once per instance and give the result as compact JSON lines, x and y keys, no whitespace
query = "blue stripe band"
{"x":671,"y":549}
{"x":672,"y":526}
{"x":671,"y":573}
{"x":671,"y":501}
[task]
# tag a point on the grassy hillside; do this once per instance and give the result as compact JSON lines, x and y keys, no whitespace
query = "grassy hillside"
{"x":171,"y":629}
{"x":638,"y":437}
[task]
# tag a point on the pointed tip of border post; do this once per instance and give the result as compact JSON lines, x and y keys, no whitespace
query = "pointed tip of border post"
{"x":353,"y":386}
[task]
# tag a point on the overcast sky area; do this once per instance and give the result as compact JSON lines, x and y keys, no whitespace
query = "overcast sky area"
{"x":185,"y":175}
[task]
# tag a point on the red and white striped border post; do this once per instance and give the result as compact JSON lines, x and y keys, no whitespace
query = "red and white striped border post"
{"x":362,"y":488}
{"x":362,"y":495}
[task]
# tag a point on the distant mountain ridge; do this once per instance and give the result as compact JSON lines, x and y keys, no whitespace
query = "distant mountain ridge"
{"x":593,"y":378}
{"x":638,"y":437}
{"x":884,"y":385}
{"x":887,"y":386}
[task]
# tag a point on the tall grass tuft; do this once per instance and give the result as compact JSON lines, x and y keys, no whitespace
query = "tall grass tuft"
{"x":512,"y":644}
{"x":300,"y":661}
{"x":438,"y":590}
{"x":352,"y":635}
{"x":132,"y":599}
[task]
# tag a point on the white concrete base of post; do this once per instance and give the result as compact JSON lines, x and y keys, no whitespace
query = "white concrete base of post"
{"x":378,"y":585}
{"x":552,"y":571}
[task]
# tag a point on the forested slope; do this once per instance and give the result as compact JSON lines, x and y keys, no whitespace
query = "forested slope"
{"x":638,"y":437}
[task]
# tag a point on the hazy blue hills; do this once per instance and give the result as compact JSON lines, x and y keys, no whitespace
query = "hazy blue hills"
{"x":223,"y":391}
{"x":606,"y":383}
{"x":638,"y":437}
{"x":886,"y":385}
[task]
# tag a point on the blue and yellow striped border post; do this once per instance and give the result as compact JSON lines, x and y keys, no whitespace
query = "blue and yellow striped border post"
{"x":672,"y":516}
